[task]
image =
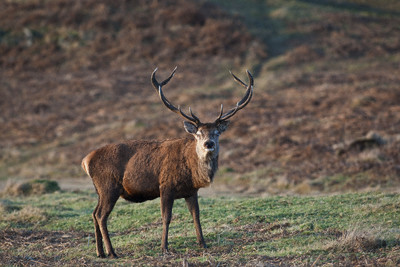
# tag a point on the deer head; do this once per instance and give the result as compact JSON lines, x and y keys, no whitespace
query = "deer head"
{"x":206,"y":134}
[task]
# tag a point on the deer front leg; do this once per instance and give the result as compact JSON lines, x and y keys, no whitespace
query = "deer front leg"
{"x":193,"y":206}
{"x":167,"y":202}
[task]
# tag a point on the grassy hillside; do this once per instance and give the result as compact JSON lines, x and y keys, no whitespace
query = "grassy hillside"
{"x":325,"y":116}
{"x":329,"y":92}
{"x":349,"y":229}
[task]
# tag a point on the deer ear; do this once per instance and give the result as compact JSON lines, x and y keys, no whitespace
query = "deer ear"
{"x":190,"y":127}
{"x":222,"y":126}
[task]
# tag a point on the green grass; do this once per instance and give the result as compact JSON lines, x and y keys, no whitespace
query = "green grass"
{"x":339,"y":229}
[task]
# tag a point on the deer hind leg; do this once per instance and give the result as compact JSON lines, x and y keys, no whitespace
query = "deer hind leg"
{"x":193,"y":206}
{"x":100,"y":215}
{"x":167,"y":201}
{"x":99,"y":239}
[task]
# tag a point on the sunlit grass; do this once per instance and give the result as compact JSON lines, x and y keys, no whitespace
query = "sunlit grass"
{"x":237,"y":230}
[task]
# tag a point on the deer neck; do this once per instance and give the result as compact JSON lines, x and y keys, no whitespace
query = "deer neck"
{"x":207,"y":165}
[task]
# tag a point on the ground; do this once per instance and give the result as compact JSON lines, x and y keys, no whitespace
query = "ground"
{"x":325,"y":116}
{"x":361,"y":230}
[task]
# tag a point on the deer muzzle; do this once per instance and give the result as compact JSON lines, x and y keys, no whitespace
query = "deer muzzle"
{"x":209,"y":145}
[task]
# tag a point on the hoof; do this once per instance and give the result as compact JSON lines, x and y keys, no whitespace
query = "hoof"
{"x":113,"y":256}
{"x":165,"y":251}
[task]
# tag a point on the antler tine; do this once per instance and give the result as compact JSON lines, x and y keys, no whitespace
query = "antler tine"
{"x":243,"y":102}
{"x":154,"y":80}
{"x":194,"y":116}
{"x":158,"y":86}
{"x":220,"y":113}
{"x":238,"y":80}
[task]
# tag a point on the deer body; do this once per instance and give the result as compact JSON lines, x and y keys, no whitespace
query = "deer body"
{"x":144,"y":170}
{"x":140,"y":168}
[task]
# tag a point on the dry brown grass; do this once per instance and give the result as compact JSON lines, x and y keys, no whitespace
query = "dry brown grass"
{"x":358,"y":240}
{"x":31,"y":187}
{"x":26,"y":215}
{"x":99,"y":34}
{"x":61,"y":97}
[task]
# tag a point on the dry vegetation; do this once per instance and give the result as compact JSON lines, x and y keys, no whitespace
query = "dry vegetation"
{"x":75,"y":75}
{"x":325,"y":117}
{"x":30,"y":187}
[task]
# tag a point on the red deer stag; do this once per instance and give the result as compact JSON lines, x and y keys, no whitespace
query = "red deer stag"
{"x":143,"y":170}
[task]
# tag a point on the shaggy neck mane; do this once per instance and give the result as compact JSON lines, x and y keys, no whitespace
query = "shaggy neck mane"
{"x":205,"y":169}
{"x":209,"y":166}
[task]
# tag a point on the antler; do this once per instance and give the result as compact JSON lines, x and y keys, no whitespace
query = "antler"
{"x":242,"y":103}
{"x":158,"y":86}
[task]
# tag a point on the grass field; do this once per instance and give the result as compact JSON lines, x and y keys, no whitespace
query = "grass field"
{"x":75,"y":76}
{"x":348,"y":229}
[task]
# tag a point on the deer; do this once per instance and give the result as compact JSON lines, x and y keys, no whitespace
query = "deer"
{"x":141,"y":170}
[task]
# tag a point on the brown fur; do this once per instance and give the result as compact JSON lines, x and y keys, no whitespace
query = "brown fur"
{"x":144,"y":170}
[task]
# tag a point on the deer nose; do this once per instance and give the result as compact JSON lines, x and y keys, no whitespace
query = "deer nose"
{"x":209,"y":144}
